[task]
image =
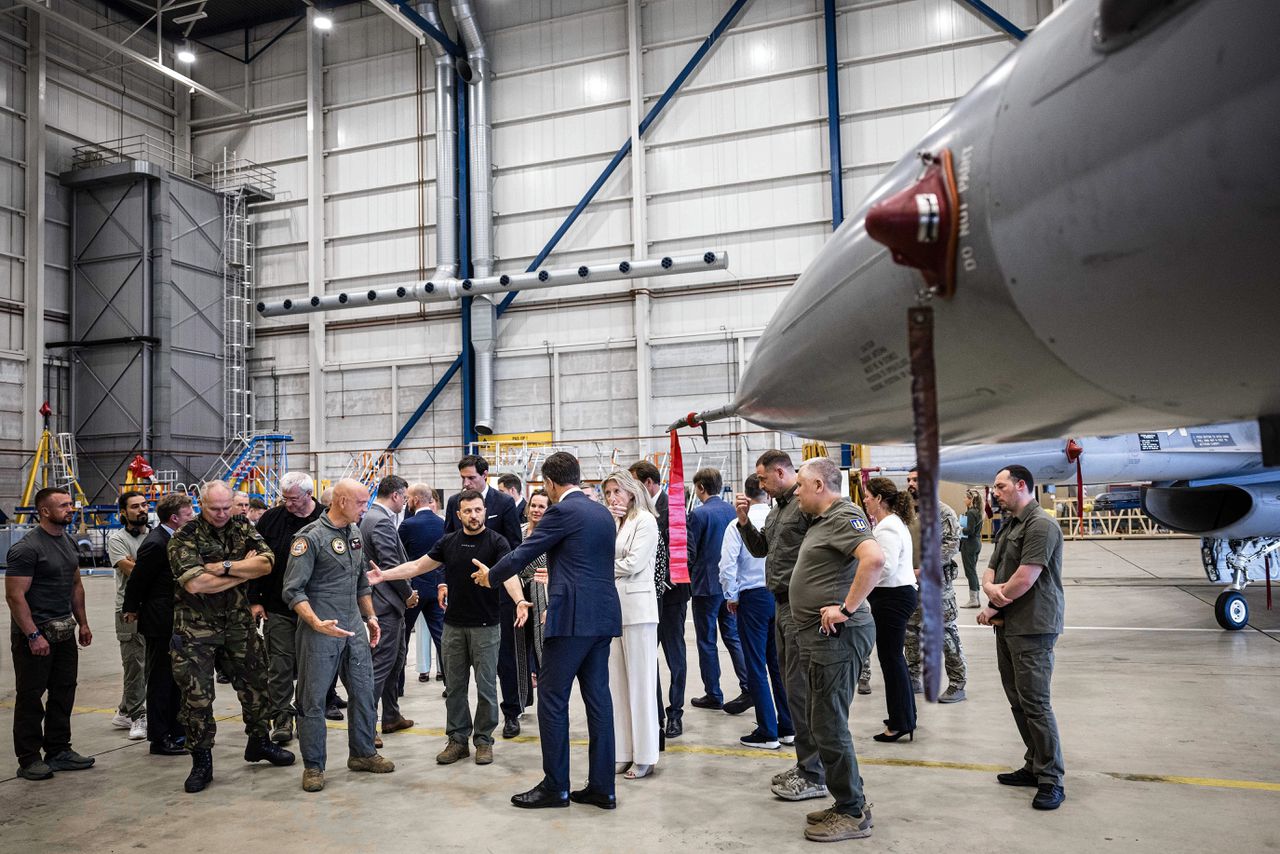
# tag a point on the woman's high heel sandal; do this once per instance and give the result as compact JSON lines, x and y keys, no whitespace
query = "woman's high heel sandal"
{"x":885,"y":736}
{"x":638,"y":771}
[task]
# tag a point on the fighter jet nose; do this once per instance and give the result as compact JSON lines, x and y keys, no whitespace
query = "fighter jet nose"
{"x":920,"y":224}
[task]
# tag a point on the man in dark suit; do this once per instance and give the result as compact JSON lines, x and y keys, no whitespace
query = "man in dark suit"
{"x":381,"y":544}
{"x":511,"y":485}
{"x":501,"y":517}
{"x":707,"y":524}
{"x":419,"y":532}
{"x":148,"y":599}
{"x":673,"y":607}
{"x":583,"y":616}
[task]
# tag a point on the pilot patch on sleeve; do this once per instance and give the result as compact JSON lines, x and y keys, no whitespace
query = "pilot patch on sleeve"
{"x":298,"y":548}
{"x":338,"y":545}
{"x":858,"y":524}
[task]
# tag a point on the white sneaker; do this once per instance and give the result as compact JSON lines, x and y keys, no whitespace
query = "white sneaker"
{"x":138,"y":729}
{"x":121,"y":721}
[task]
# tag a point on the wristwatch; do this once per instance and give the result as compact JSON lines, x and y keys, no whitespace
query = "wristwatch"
{"x":848,"y":614}
{"x":226,"y":568}
{"x":34,"y":636}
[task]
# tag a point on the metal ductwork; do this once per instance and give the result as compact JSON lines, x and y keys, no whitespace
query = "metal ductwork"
{"x":446,"y":152}
{"x":1218,"y":511}
{"x":452,"y":289}
{"x":480,"y":155}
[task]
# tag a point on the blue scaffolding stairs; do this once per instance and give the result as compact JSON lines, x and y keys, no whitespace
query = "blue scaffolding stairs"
{"x":257,"y":468}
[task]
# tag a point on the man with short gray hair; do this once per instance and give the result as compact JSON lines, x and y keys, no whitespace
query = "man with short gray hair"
{"x":278,"y":526}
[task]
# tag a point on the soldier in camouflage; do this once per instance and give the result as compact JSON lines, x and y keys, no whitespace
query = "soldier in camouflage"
{"x":211,"y":557}
{"x":952,"y":651}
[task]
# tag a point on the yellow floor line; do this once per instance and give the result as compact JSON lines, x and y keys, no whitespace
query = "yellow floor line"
{"x":746,"y":753}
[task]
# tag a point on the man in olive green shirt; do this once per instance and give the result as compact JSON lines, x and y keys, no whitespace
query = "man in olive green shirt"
{"x":838,"y":564}
{"x":1024,"y":584}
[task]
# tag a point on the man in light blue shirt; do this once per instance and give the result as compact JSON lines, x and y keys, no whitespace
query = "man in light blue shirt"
{"x":742,"y":578}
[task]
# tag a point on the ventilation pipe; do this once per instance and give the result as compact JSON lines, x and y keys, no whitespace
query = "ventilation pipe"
{"x":484,"y":341}
{"x":446,"y":152}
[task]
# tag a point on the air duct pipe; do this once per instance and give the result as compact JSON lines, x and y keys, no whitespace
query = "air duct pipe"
{"x":452,"y":289}
{"x":446,"y":153}
{"x":480,"y":154}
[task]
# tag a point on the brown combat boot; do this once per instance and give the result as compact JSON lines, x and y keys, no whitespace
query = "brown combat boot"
{"x":312,"y":780}
{"x":375,"y":764}
{"x":454,"y":751}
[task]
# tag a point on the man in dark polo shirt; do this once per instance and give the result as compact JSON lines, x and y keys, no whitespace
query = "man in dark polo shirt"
{"x":1024,"y":583}
{"x":838,"y":564}
{"x":471,"y":626}
{"x":47,"y":617}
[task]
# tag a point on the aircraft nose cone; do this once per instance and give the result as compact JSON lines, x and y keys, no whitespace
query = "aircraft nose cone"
{"x":919,"y":224}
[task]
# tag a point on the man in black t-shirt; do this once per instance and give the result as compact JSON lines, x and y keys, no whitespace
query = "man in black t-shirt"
{"x":471,"y":625}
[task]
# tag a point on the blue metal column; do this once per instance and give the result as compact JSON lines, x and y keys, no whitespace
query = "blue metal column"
{"x":996,"y":18}
{"x":621,"y":154}
{"x":464,"y":270}
{"x":833,"y":116}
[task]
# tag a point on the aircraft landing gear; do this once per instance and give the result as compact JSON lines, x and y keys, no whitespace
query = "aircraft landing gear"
{"x":1231,"y":610}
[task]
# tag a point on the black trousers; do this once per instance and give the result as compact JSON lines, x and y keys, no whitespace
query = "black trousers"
{"x":37,"y":723}
{"x":673,"y":607}
{"x":162,"y":692}
{"x":891,"y":607}
{"x":508,"y":673}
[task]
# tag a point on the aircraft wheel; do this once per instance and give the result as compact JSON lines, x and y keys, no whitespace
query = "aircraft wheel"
{"x":1231,"y":610}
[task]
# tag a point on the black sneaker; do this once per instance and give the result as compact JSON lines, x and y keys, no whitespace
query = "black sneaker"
{"x":1021,"y":777}
{"x":37,"y":770}
{"x":706,"y":702}
{"x":761,"y":741}
{"x":1049,"y":797}
{"x":68,"y":760}
{"x":739,"y":704}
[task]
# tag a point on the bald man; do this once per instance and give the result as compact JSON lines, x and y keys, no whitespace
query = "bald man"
{"x":325,"y":585}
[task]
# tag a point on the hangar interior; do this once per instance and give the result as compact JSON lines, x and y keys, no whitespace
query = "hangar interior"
{"x":157,"y":211}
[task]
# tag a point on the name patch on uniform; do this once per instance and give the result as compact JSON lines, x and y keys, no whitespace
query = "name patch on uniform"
{"x":858,"y":524}
{"x":299,"y":548}
{"x":338,"y":545}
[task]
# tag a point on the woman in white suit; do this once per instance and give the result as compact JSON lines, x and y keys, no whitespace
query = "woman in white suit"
{"x":633,"y":659}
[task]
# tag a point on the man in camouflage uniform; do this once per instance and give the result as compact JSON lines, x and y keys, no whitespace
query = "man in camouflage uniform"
{"x":326,"y":586}
{"x":952,"y":651}
{"x":211,"y":557}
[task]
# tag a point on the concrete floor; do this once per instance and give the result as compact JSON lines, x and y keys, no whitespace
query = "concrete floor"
{"x":1169,"y":727}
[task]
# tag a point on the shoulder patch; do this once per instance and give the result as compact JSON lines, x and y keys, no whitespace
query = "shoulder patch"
{"x":299,"y":547}
{"x":858,"y":524}
{"x":338,"y":545}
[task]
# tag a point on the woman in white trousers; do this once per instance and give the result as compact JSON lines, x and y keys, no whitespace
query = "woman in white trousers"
{"x":633,"y":659}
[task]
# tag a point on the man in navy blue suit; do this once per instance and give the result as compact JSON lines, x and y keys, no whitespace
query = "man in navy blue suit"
{"x":501,"y":517}
{"x":420,"y":530}
{"x":707,"y":524}
{"x":583,"y":615}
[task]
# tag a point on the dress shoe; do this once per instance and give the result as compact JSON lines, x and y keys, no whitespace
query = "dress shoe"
{"x":1021,"y":777}
{"x":510,"y":727}
{"x":396,"y":726}
{"x":1049,"y":797}
{"x":424,"y":677}
{"x":706,"y":702}
{"x":339,"y":702}
{"x":167,"y":747}
{"x":908,"y":734}
{"x":263,"y":748}
{"x":539,"y":798}
{"x":675,"y":728}
{"x":739,"y":704}
{"x":333,"y":713}
{"x":595,"y":799}
{"x":439,"y":677}
{"x":201,"y":771}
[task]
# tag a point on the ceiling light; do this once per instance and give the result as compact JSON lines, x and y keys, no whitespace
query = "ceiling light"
{"x":185,"y":53}
{"x":322,"y":22}
{"x":187,"y":19}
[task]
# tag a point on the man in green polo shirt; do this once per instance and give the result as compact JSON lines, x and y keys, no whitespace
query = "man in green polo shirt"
{"x":838,"y":564}
{"x":1024,"y":583}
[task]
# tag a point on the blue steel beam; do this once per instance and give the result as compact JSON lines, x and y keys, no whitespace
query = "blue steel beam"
{"x":430,"y":29}
{"x":833,"y":116}
{"x":464,"y":265}
{"x":560,"y":232}
{"x":996,"y":18}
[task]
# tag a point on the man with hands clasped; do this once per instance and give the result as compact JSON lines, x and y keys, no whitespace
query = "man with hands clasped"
{"x":325,"y":585}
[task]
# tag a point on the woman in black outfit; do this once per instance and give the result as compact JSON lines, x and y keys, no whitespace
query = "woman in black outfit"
{"x":892,"y":602}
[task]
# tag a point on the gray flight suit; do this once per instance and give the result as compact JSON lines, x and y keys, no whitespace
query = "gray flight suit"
{"x":327,"y":570}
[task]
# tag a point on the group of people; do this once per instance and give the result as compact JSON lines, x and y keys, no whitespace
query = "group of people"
{"x":528,"y":594}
